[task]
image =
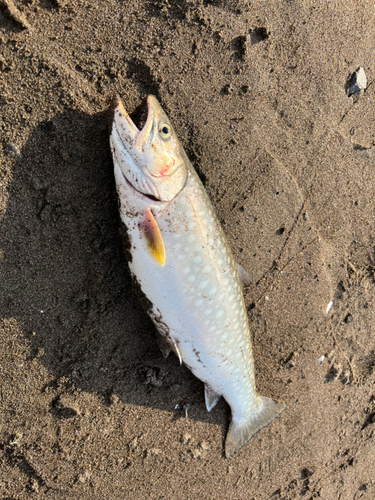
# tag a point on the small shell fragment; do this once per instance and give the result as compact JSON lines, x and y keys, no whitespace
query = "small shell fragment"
{"x":357,"y":81}
{"x":329,"y":306}
{"x":321,"y":359}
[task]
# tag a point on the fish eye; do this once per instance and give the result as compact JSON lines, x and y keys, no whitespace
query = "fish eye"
{"x":165,"y":131}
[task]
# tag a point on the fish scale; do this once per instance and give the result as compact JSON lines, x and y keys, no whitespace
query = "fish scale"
{"x":183,"y":266}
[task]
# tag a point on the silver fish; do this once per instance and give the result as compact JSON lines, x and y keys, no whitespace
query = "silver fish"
{"x":183,"y":268}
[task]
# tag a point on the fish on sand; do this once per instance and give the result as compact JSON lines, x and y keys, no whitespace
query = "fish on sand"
{"x":183,"y":269}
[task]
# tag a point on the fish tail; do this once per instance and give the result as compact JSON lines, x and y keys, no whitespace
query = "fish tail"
{"x":240,"y":432}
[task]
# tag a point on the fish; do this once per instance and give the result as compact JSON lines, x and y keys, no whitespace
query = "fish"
{"x":183,"y":269}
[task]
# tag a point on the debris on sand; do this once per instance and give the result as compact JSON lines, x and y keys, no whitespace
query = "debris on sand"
{"x":329,"y":306}
{"x":357,"y":81}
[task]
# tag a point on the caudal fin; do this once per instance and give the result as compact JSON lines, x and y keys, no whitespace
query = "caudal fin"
{"x":239,"y":433}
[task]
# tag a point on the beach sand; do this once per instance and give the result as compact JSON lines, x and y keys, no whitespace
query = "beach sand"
{"x":257,"y":92}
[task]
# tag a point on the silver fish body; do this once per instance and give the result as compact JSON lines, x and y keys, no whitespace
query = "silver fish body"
{"x":185,"y":270}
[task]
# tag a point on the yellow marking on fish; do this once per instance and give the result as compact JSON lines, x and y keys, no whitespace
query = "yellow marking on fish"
{"x":150,"y":230}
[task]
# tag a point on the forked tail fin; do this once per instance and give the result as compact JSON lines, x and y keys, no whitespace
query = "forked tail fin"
{"x":240,"y":432}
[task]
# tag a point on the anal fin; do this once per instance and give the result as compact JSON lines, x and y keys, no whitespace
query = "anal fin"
{"x":240,"y":432}
{"x":211,"y":397}
{"x":244,"y":276}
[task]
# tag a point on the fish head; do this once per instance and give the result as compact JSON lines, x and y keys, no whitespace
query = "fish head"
{"x":148,"y":152}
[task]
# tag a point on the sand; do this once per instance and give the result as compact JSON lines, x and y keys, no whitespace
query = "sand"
{"x":257,"y":91}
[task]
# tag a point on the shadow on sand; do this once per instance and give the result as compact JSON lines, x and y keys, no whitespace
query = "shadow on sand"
{"x":65,"y":278}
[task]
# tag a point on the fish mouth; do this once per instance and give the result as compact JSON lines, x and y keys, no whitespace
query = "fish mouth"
{"x":140,"y":115}
{"x":138,"y":127}
{"x":134,"y":133}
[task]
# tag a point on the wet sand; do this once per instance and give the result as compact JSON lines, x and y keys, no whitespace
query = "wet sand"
{"x":89,"y":408}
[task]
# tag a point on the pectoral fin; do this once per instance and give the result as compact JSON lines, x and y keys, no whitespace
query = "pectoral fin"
{"x":151,"y":232}
{"x":210,"y":396}
{"x":244,"y":276}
